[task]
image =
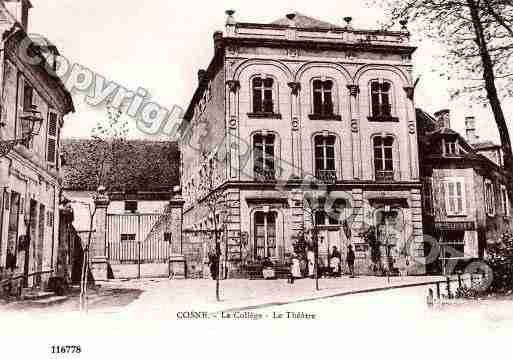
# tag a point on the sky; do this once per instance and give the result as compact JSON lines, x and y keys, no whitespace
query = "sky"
{"x":159,"y":45}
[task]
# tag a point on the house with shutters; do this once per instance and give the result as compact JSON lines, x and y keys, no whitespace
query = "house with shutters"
{"x":301,"y":104}
{"x":29,"y":163}
{"x":466,"y":198}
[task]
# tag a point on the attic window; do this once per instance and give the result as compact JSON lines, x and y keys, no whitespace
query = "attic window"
{"x":450,"y":147}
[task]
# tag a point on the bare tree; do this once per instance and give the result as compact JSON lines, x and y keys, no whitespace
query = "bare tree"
{"x":311,"y":205}
{"x":105,"y":149}
{"x":213,"y":198}
{"x":478,"y":38}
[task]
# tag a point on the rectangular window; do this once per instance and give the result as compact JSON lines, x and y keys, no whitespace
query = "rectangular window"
{"x":167,"y":237}
{"x":263,"y":92}
{"x":265,"y":235}
{"x":323,"y":98}
{"x":127,"y":237}
{"x":455,"y":196}
{"x":263,"y":148}
{"x":51,"y":147}
{"x":428,"y":195}
{"x":381,"y":106}
{"x":489,"y":198}
{"x":131,"y":206}
{"x":28,"y":97}
{"x":325,"y":158}
{"x":505,"y":201}
{"x":383,"y":158}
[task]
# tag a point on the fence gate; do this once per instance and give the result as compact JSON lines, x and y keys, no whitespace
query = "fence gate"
{"x":139,"y":245}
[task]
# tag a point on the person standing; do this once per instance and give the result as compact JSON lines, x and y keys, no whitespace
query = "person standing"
{"x":214,"y":266}
{"x":350,"y":260}
{"x":310,"y":256}
{"x":335,"y":260}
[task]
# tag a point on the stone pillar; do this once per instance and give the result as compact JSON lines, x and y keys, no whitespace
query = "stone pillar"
{"x":295,"y":125}
{"x":233,"y":143}
{"x":355,"y":131}
{"x":98,"y":259}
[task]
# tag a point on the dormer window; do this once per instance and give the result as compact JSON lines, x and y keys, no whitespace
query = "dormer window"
{"x":451,"y":147}
{"x":263,"y":97}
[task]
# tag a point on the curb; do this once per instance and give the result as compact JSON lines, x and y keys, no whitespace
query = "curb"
{"x":327,"y":296}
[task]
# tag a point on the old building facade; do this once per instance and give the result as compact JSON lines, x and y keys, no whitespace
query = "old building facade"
{"x":303,"y":106}
{"x":29,"y":172}
{"x":467,"y":202}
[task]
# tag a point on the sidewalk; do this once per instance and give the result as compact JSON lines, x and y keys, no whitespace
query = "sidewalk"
{"x":167,"y":297}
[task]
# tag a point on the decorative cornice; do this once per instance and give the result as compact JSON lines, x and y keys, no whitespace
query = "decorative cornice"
{"x":353,"y":90}
{"x":295,"y":87}
{"x":410,"y":92}
{"x":233,"y":85}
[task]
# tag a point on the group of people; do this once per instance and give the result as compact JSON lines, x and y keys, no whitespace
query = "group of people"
{"x":305,"y":267}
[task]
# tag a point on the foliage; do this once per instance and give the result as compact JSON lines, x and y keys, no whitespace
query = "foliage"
{"x":450,"y":24}
{"x":500,"y":259}
{"x":478,"y":38}
{"x":370,"y":237}
{"x":465,"y":292}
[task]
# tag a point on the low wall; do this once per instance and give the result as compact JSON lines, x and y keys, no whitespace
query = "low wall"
{"x":144,"y":270}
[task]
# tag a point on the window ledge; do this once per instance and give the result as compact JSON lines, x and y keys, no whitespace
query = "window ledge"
{"x":264,"y":115}
{"x":383,"y":119}
{"x":492,"y":215}
{"x":325,"y":117}
{"x":456,"y":214}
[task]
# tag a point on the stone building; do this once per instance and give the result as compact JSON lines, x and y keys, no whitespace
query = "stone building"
{"x":467,"y":202}
{"x":29,"y":171}
{"x":303,"y":106}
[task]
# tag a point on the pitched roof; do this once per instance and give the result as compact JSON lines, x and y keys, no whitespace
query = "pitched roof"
{"x":304,"y":21}
{"x":484,"y":145}
{"x":136,"y":165}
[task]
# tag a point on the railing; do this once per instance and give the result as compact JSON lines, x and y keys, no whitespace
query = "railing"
{"x":22,"y":277}
{"x":384,"y":176}
{"x":139,"y":252}
{"x":327,"y":176}
{"x":265,"y":175}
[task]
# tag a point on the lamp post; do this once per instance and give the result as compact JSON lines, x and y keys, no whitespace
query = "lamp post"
{"x":31,"y":124}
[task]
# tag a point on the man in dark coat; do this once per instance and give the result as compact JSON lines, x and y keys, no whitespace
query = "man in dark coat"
{"x":214,"y":265}
{"x":350,"y":260}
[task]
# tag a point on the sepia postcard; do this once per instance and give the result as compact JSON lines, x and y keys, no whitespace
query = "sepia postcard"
{"x":249,"y":179}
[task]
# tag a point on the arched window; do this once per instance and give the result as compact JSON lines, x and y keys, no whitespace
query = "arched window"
{"x":383,"y":158}
{"x":264,"y":156}
{"x":381,"y":101}
{"x":325,"y":158}
{"x":263,"y":95}
{"x":265,"y":235}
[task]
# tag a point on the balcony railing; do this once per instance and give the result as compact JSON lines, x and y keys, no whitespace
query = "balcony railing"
{"x":264,"y":175}
{"x":384,"y":176}
{"x":327,"y":176}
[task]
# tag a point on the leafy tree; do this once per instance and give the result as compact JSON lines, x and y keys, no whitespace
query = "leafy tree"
{"x":500,"y":259}
{"x":478,"y":38}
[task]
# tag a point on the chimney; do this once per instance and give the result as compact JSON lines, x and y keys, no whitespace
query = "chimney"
{"x":201,"y":75}
{"x":470,"y":129}
{"x":19,"y":9}
{"x":443,"y":119}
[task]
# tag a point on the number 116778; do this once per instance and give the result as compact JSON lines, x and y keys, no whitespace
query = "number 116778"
{"x":66,"y":349}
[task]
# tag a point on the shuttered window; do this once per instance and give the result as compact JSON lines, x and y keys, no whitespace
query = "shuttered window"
{"x":52,"y":138}
{"x":455,"y":196}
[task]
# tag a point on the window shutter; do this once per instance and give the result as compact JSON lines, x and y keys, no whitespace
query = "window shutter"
{"x":52,"y":138}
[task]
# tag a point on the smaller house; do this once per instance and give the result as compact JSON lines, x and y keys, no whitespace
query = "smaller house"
{"x":143,"y":221}
{"x":466,"y":199}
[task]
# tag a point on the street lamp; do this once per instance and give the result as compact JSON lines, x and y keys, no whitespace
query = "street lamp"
{"x":31,"y":124}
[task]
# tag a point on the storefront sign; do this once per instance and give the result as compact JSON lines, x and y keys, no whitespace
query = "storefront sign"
{"x":455,"y":226}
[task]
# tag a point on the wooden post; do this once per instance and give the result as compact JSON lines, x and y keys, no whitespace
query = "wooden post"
{"x":438,"y":290}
